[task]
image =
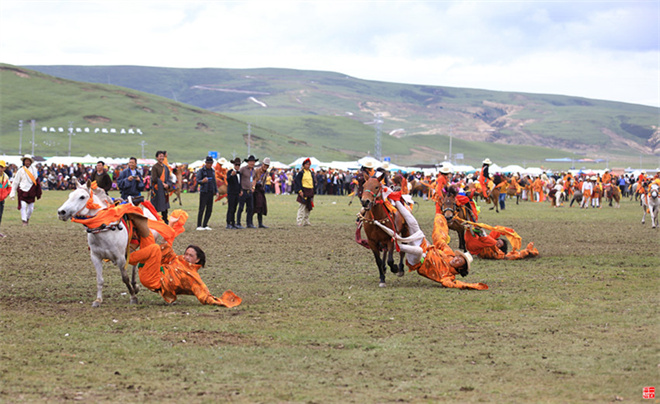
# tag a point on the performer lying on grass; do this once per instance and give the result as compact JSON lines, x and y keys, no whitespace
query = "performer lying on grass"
{"x":162,"y":271}
{"x":436,"y":261}
{"x":492,"y":246}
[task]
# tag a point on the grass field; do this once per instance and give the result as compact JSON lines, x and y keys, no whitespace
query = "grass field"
{"x":578,"y":324}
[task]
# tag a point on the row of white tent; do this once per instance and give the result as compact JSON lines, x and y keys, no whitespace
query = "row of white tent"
{"x":317,"y":164}
{"x":129,"y":131}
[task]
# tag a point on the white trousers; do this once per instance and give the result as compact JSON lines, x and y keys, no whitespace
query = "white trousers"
{"x":26,"y":210}
{"x":303,"y":215}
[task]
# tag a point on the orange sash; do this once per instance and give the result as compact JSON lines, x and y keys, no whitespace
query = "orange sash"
{"x":34,"y":181}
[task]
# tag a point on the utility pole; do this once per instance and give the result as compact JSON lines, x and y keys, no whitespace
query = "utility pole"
{"x":32,"y":126}
{"x":20,"y":136}
{"x":143,"y":143}
{"x":248,"y":139}
{"x":451,"y":133}
{"x":70,"y":136}
{"x":379,"y":122}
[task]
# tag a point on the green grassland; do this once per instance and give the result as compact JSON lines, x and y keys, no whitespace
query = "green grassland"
{"x":577,"y":324}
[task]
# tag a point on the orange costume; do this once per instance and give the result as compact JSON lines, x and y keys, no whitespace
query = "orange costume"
{"x":485,"y":246}
{"x":537,"y":187}
{"x":435,"y":259}
{"x":430,"y":261}
{"x":162,"y":271}
{"x":220,"y":178}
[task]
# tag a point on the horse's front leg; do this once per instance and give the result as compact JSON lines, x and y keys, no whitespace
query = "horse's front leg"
{"x":401,"y":272}
{"x":381,"y":267}
{"x":98,"y":266}
{"x":461,"y":240}
{"x":134,"y":284}
{"x":121,"y":264}
{"x":390,"y":259}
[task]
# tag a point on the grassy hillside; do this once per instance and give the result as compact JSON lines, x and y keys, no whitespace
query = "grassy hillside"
{"x":279,"y":130}
{"x":597,"y":127}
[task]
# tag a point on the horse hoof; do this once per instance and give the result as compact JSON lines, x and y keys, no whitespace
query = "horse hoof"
{"x":382,"y":285}
{"x":400,"y":274}
{"x":134,"y":300}
{"x":96,"y":303}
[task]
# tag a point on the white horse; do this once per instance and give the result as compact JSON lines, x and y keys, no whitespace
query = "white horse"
{"x":651,"y":202}
{"x":109,"y":243}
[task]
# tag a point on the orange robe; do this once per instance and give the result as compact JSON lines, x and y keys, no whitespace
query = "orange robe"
{"x":162,"y":271}
{"x":435,"y":263}
{"x":485,"y":246}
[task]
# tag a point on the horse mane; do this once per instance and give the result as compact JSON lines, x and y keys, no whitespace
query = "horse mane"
{"x":103,"y":196}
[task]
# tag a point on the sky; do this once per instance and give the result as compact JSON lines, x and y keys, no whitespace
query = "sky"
{"x":607,"y":50}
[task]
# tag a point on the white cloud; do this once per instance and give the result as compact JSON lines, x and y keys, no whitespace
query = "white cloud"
{"x":607,"y":50}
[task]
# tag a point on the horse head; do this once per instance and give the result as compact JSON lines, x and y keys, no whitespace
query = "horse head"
{"x":449,"y":204}
{"x":371,"y":192}
{"x":77,"y":203}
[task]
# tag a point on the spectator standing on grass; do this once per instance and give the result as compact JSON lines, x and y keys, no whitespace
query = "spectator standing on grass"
{"x":259,"y":186}
{"x":129,"y":181}
{"x":246,"y":200}
{"x":5,"y":189}
{"x":102,"y":178}
{"x":27,"y":187}
{"x":160,"y":185}
{"x":208,"y":188}
{"x":233,"y":192}
{"x":304,"y":185}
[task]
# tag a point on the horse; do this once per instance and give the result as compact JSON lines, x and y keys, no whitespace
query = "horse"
{"x":613,"y":194}
{"x":651,"y":202}
{"x":512,"y":190}
{"x":377,"y":239}
{"x":105,"y":243}
{"x":451,"y":211}
{"x":494,"y":198}
{"x":419,"y":188}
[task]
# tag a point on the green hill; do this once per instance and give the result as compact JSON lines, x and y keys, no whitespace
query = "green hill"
{"x":294,"y":113}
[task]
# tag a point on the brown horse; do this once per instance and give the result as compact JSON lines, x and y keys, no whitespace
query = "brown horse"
{"x":377,"y":239}
{"x":451,"y":211}
{"x":419,"y":188}
{"x":613,"y":194}
{"x":494,"y":198}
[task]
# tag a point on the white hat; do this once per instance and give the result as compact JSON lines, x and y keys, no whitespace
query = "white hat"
{"x":386,"y":165}
{"x":607,"y":170}
{"x":487,"y":161}
{"x":222,"y":161}
{"x":27,"y":156}
{"x":445,"y":170}
{"x":368,"y":164}
{"x":593,"y":178}
{"x":267,"y":161}
{"x":467,"y":256}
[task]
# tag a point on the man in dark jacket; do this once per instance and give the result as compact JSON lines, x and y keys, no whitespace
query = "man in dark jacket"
{"x":160,"y":185}
{"x":130,"y":181}
{"x":207,"y":191}
{"x":233,"y":192}
{"x":102,"y":178}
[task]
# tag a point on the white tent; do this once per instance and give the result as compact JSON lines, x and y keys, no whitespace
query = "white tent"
{"x":513,"y":168}
{"x":298,"y":162}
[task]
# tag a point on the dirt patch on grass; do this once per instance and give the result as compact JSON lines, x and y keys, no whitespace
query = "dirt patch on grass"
{"x":96,"y":119}
{"x":209,"y":338}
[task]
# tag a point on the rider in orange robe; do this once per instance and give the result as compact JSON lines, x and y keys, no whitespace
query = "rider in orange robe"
{"x":491,"y":246}
{"x":436,"y":261}
{"x":162,"y":271}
